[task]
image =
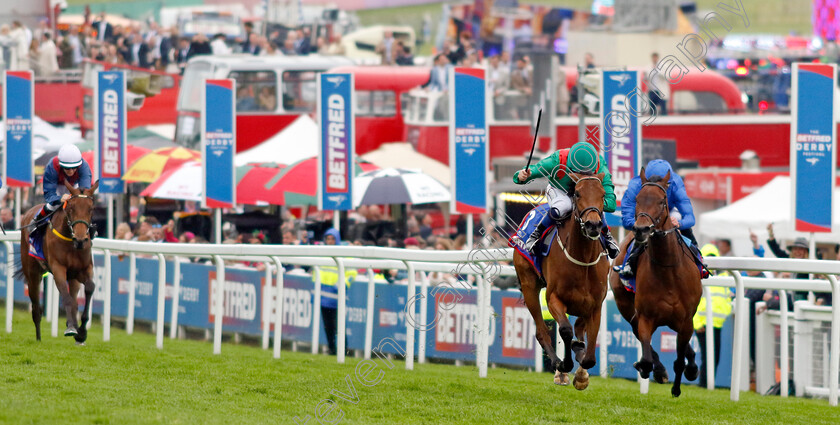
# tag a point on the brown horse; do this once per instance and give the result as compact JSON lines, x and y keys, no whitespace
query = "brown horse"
{"x":575,"y":274}
{"x":668,"y":287}
{"x":67,"y":256}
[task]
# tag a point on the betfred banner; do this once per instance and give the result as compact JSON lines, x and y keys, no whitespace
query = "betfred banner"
{"x":18,"y":107}
{"x":109,"y":115}
{"x":621,"y":134}
{"x":218,"y":144}
{"x":812,"y":148}
{"x":337,"y":147}
{"x":468,"y":150}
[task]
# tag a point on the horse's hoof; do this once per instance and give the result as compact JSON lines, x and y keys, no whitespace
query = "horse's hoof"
{"x":691,"y":372}
{"x":561,"y":378}
{"x":581,"y":379}
{"x":675,"y":391}
{"x":644,"y":372}
{"x":660,"y":376}
{"x":578,"y":345}
{"x":80,"y":343}
{"x":71,"y":332}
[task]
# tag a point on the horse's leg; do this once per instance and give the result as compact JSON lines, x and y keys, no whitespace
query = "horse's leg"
{"x":531,"y":295}
{"x":593,"y":324}
{"x":691,"y":369}
{"x":683,"y":340}
{"x":33,"y":282}
{"x":558,"y":311}
{"x":577,"y":344}
{"x":89,"y":288}
{"x":645,"y":331}
{"x":70,"y":309}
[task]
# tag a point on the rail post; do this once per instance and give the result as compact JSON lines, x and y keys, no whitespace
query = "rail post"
{"x":278,"y":308}
{"x":161,"y":301}
{"x":218,"y":305}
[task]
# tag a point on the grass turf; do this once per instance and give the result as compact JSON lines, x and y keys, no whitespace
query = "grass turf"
{"x":129,"y":381}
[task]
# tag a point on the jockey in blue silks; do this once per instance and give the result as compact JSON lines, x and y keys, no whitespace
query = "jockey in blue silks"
{"x":682,"y":213}
{"x":68,"y":166}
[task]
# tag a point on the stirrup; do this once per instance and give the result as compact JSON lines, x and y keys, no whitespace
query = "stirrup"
{"x":531,"y":243}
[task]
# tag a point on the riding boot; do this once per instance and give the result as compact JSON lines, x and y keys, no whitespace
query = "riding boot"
{"x":607,"y":240}
{"x":698,"y":259}
{"x":632,"y":261}
{"x":39,"y":219}
{"x":534,"y":238}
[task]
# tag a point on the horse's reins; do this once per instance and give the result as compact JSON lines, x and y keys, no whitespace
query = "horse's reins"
{"x":660,"y":233}
{"x":579,"y":220}
{"x":70,"y":222}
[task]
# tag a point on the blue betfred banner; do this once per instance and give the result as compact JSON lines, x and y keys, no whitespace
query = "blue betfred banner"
{"x":337,"y":147}
{"x":468,"y":149}
{"x":218,"y":144}
{"x":110,"y":127}
{"x":813,"y":144}
{"x":621,"y":134}
{"x":18,"y":107}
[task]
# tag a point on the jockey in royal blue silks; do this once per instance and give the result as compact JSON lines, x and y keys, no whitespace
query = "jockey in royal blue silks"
{"x":678,"y":202}
{"x":67,"y":166}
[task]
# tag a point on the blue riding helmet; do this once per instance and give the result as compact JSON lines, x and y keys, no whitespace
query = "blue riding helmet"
{"x":677,"y":196}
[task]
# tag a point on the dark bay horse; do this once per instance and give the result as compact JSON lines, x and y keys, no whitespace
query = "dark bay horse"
{"x":668,"y":287}
{"x":67,"y":256}
{"x":575,"y":274}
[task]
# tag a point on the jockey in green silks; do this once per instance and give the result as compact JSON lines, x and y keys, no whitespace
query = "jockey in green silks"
{"x":581,"y":158}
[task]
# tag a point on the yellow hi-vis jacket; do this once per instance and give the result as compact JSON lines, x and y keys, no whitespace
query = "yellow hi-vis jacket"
{"x":721,"y":307}
{"x":329,"y":279}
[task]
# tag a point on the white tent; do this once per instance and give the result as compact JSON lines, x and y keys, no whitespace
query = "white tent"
{"x":296,"y":142}
{"x":403,"y":155}
{"x":769,"y":204}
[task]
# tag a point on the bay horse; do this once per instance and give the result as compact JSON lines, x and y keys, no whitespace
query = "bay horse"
{"x":668,"y":287}
{"x":66,"y":245}
{"x":575,"y":276}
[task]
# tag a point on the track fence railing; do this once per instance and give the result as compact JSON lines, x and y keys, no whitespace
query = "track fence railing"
{"x":483,"y":265}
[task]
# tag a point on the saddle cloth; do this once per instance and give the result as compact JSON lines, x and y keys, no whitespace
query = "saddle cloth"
{"x":526,"y":228}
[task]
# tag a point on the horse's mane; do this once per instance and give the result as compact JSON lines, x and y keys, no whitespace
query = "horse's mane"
{"x":656,"y":179}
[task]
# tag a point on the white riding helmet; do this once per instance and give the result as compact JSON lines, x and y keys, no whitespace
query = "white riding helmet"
{"x":69,"y":156}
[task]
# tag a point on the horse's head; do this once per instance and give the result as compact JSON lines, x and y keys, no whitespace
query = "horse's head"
{"x":588,"y":203}
{"x":78,"y":212}
{"x":651,"y":206}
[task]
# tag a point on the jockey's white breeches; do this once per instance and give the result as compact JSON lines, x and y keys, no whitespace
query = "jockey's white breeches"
{"x":559,"y":200}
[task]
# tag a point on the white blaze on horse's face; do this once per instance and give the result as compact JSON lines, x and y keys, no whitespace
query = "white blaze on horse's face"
{"x":588,"y":202}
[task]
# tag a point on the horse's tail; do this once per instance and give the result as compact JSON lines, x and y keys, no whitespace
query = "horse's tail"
{"x":19,"y":269}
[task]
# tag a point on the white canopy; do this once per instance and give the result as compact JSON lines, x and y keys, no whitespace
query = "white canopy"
{"x":769,"y":204}
{"x":296,"y":142}
{"x":403,"y":155}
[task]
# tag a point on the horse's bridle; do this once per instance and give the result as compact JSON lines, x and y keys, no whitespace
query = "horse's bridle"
{"x":71,"y":222}
{"x":654,"y":227}
{"x":579,"y":216}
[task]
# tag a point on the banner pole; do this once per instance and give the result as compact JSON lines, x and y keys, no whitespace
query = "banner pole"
{"x":469,"y":231}
{"x":217,"y":225}
{"x":17,"y":207}
{"x":337,"y":220}
{"x":110,"y":216}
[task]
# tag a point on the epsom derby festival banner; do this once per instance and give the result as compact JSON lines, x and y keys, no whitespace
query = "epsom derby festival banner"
{"x":468,"y":150}
{"x":218,"y":144}
{"x":337,"y":147}
{"x":109,"y":127}
{"x":813,"y":140}
{"x":621,"y":134}
{"x":18,"y":108}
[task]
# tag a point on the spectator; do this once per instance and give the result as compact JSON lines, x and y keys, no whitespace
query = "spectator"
{"x":329,"y":292}
{"x":725,"y":247}
{"x":200,"y":45}
{"x":303,"y":42}
{"x":267,"y":99}
{"x":20,"y":46}
{"x":504,"y":60}
{"x":7,"y":218}
{"x":439,"y":78}
{"x":104,"y":30}
{"x":253,"y":45}
{"x":520,"y":81}
{"x":721,"y":309}
{"x":218,"y":45}
{"x":798,"y":250}
{"x":47,"y":56}
{"x":335,"y":47}
{"x":563,"y":96}
{"x":405,"y":58}
{"x":247,"y":44}
{"x":589,"y":60}
{"x":244,"y":99}
{"x":498,"y":78}
{"x":659,"y":89}
{"x":183,"y":54}
{"x":387,"y":49}
{"x":425,"y":226}
{"x":289,"y":238}
{"x":123,"y":232}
